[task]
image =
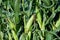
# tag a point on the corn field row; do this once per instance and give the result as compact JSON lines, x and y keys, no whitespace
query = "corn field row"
{"x":29,"y":19}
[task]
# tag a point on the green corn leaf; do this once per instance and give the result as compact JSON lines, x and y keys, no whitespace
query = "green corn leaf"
{"x":29,"y":23}
{"x":16,"y":10}
{"x":0,"y":1}
{"x":24,"y":21}
{"x":48,"y":36}
{"x":29,"y":35}
{"x":53,"y":33}
{"x":14,"y":35}
{"x":51,"y":17}
{"x":24,"y":36}
{"x":10,"y":38}
{"x":40,"y":35}
{"x":47,"y":2}
{"x":58,"y":23}
{"x":58,"y":9}
{"x":1,"y":35}
{"x":35,"y":36}
{"x":12,"y":25}
{"x":39,"y":18}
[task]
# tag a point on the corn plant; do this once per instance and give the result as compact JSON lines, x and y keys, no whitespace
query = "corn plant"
{"x":29,"y":19}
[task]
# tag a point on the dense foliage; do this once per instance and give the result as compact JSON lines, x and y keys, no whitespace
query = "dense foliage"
{"x":29,"y":19}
